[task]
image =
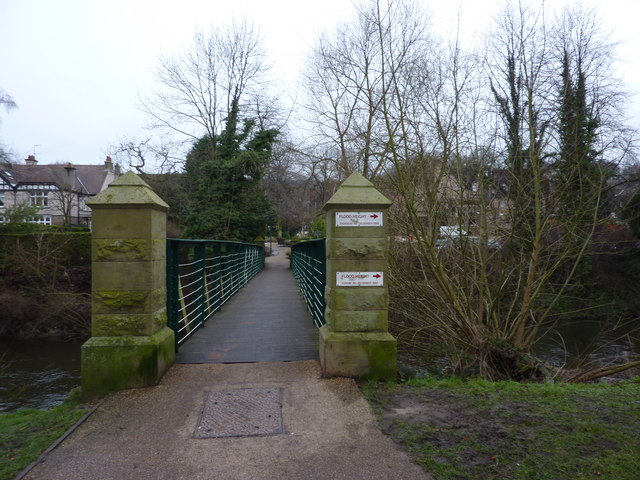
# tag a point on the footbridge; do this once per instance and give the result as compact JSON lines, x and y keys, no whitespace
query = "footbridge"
{"x":226,"y":308}
{"x":157,"y":301}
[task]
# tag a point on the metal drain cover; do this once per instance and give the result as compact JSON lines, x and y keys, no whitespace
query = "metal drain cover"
{"x":239,"y":413}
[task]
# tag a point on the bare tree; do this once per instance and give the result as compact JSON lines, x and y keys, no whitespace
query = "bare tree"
{"x":322,"y":176}
{"x":285,"y":187}
{"x":66,"y":198}
{"x":346,"y":88}
{"x":150,"y":155}
{"x":9,"y":104}
{"x":592,"y":141}
{"x":484,"y":259}
{"x":6,"y":101}
{"x":198,"y":88}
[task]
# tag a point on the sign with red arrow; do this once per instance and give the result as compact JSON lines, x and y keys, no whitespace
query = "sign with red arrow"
{"x":359,"y":279}
{"x":358,"y":219}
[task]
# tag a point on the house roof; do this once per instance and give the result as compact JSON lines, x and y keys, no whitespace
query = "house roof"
{"x":88,"y":179}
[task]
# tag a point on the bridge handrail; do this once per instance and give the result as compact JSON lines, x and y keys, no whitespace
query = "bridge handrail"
{"x":202,"y":275}
{"x":308,"y":263}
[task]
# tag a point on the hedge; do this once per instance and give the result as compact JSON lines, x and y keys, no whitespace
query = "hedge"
{"x":73,"y":248}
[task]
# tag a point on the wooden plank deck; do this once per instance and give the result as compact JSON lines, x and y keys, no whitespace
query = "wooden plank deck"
{"x":266,"y":321}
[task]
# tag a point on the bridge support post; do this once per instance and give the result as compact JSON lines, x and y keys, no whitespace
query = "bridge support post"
{"x":131,"y":345}
{"x":355,"y":341}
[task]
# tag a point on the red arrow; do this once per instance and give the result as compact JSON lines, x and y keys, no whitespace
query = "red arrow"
{"x":374,"y":216}
{"x":377,"y":275}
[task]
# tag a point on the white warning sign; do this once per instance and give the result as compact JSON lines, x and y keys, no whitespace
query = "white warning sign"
{"x":359,"y":279}
{"x":358,"y":219}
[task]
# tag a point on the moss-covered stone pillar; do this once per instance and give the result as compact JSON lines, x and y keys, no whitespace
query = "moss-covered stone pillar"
{"x":355,"y":341}
{"x":131,"y":345}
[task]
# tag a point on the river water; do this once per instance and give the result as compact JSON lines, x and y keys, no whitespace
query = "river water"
{"x":37,"y":373}
{"x":594,"y":342}
{"x":40,"y":373}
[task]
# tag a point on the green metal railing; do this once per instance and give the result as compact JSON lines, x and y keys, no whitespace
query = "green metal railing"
{"x":308,"y":263}
{"x":201,"y":276}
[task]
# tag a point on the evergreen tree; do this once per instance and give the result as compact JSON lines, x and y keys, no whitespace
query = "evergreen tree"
{"x":223,"y":180}
{"x":631,"y":213}
{"x":580,"y":177}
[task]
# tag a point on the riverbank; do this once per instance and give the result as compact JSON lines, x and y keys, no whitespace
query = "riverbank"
{"x":284,"y":421}
{"x":453,"y":429}
{"x":458,"y":429}
{"x":26,"y":433}
{"x":45,"y":283}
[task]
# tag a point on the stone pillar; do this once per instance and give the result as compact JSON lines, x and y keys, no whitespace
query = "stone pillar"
{"x":131,"y":345}
{"x":355,"y":341}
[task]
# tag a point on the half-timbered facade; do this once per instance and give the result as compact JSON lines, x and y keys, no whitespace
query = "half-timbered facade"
{"x":58,"y":192}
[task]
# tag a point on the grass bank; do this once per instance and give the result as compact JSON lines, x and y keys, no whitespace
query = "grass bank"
{"x":458,"y":429}
{"x":26,"y":433}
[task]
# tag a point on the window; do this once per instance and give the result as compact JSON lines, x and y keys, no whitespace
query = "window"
{"x":1,"y":199}
{"x":40,"y":199}
{"x":41,"y":219}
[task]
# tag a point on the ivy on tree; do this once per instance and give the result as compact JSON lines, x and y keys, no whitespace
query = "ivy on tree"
{"x":580,"y":176}
{"x":223,"y":182}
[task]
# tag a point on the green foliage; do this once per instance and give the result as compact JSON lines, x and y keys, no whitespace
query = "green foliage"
{"x":21,"y":227}
{"x":580,"y":178}
{"x":319,"y":228}
{"x":25,"y":434}
{"x":223,"y":178}
{"x":168,"y":187}
{"x":69,"y":248}
{"x":631,"y":214}
{"x":521,"y":159}
{"x":20,"y":212}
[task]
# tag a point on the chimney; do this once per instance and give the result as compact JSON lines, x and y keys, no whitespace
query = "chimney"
{"x":108,"y":164}
{"x":31,"y":160}
{"x":69,"y":168}
{"x":71,"y":174}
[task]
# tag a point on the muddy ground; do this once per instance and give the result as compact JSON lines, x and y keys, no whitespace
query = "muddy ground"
{"x":443,"y":420}
{"x":459,"y":434}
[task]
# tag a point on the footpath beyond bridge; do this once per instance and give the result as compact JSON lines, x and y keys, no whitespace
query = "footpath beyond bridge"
{"x":266,"y":321}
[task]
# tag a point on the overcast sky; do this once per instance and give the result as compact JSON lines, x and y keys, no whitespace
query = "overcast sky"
{"x":76,"y":67}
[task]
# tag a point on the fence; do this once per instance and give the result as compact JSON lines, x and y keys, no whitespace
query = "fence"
{"x":308,"y":263}
{"x":201,"y":276}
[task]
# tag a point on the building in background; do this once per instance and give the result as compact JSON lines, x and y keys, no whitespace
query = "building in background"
{"x":58,"y":191}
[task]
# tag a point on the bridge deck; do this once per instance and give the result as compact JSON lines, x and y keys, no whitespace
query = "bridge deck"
{"x":266,"y":321}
